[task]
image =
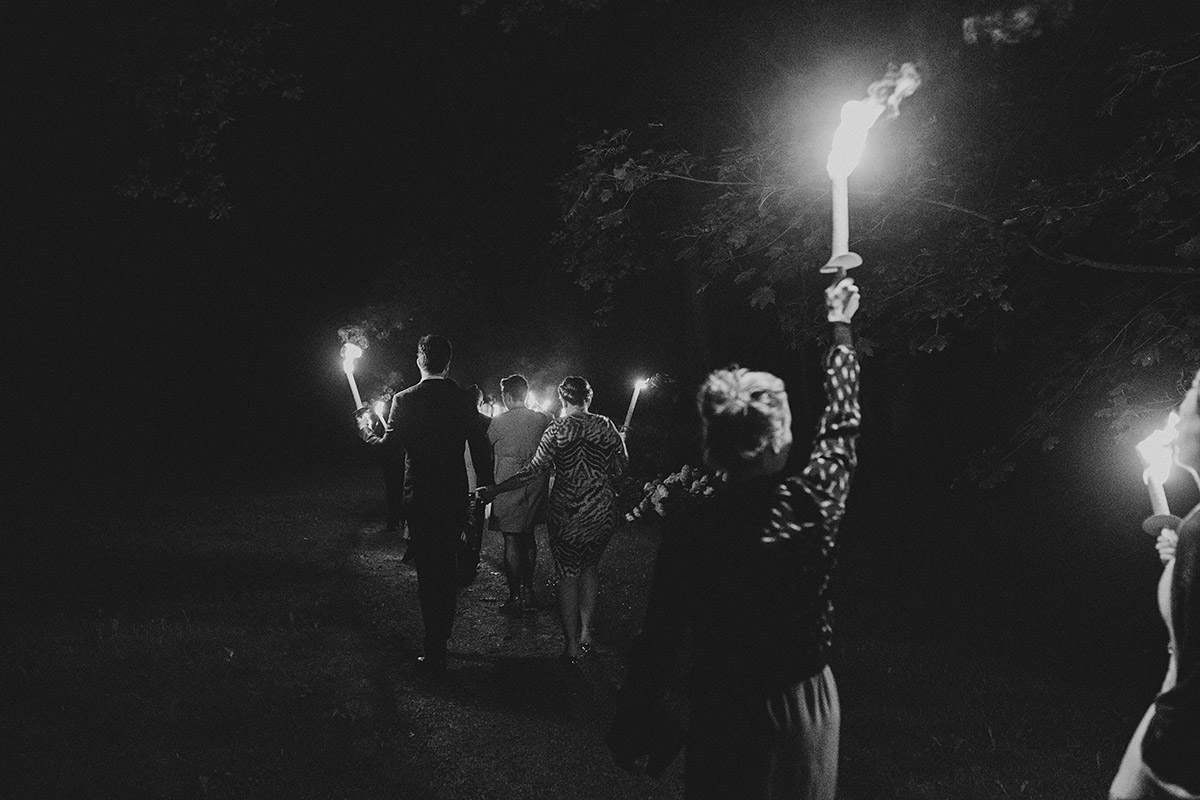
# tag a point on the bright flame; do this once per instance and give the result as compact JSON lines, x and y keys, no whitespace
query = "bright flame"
{"x":350,"y":353}
{"x":858,"y":116}
{"x":531,"y":401}
{"x":380,"y":408}
{"x":642,"y":383}
{"x":1157,"y":451}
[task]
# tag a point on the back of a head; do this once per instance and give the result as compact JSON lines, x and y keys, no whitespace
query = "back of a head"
{"x":575,"y":390}
{"x":515,"y":386}
{"x":436,"y":351}
{"x":742,"y":414}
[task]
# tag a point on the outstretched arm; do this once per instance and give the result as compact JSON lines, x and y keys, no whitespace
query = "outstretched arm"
{"x":542,"y":460}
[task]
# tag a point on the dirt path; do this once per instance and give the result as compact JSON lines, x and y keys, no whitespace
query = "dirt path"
{"x":508,"y":721}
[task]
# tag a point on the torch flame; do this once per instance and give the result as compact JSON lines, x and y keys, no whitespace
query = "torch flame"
{"x":858,"y":116}
{"x":350,"y":353}
{"x":380,"y":408}
{"x":641,"y":383}
{"x":1157,"y":451}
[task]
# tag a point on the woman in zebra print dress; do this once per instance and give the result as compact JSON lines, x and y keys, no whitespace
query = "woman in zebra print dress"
{"x":587,"y":455}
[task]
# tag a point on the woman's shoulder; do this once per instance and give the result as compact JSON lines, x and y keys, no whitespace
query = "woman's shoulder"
{"x":600,"y":421}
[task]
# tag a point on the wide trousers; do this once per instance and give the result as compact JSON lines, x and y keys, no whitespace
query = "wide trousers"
{"x":767,"y":745}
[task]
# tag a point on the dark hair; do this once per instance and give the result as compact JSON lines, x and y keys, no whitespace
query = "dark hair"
{"x":515,"y":386}
{"x":437,"y":352}
{"x":575,"y":390}
{"x":476,"y":392}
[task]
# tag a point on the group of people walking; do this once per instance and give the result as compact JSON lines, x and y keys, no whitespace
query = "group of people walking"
{"x":434,"y":422}
{"x":746,"y":573}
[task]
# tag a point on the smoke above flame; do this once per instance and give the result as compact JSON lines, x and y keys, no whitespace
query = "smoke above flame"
{"x":1016,"y":23}
{"x":884,"y":95}
{"x":354,"y":334}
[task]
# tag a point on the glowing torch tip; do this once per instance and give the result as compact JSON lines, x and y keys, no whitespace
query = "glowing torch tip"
{"x":1158,"y":452}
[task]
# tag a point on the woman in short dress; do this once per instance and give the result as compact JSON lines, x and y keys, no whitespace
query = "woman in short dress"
{"x":587,"y":455}
{"x":1163,"y":757}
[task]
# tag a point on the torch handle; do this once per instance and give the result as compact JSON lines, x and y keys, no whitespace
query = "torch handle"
{"x":632,"y":402}
{"x":1158,"y":497}
{"x":354,"y":389}
{"x":841,"y":218}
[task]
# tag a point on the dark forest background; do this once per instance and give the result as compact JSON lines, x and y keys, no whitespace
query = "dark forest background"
{"x":203,"y":194}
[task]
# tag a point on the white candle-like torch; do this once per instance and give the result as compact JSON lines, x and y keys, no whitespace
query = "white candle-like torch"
{"x":849,"y":140}
{"x":640,"y":384}
{"x":1158,"y":453}
{"x":350,"y":354}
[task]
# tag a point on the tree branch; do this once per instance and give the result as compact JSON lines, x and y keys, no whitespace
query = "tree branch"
{"x":927,"y":201}
{"x":1144,"y":269}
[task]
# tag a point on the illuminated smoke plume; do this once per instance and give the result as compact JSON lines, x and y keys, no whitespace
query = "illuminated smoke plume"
{"x":897,"y":84}
{"x":354,"y":334}
{"x":1017,"y":23}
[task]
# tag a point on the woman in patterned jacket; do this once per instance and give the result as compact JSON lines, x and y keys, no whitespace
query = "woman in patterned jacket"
{"x":587,"y":455}
{"x":748,"y":572}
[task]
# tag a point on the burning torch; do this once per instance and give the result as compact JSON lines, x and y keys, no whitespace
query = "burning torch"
{"x":848,"y":142}
{"x":350,"y":354}
{"x":380,"y":410}
{"x":641,"y":383}
{"x":1158,"y":453}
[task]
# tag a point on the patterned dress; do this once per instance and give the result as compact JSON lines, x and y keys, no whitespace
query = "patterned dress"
{"x":587,"y":455}
{"x":749,"y":574}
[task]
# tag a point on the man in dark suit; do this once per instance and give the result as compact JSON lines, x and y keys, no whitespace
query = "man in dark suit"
{"x":434,"y":421}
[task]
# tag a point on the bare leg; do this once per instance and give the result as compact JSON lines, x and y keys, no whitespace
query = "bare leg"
{"x":589,"y":587}
{"x":512,"y":563}
{"x":568,"y":613}
{"x":528,"y":558}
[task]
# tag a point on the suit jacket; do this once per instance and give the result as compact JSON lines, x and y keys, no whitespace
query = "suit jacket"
{"x":434,"y":421}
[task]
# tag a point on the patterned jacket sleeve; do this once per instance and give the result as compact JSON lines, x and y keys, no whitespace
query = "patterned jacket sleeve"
{"x":825,"y":479}
{"x":543,"y":459}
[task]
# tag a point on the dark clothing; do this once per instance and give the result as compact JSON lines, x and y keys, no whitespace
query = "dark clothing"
{"x":767,"y":745}
{"x":1171,"y":747}
{"x":749,"y":573}
{"x":433,"y":422}
{"x":391,"y":460}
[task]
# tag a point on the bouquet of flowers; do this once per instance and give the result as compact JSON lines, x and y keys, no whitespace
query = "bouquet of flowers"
{"x":677,"y":490}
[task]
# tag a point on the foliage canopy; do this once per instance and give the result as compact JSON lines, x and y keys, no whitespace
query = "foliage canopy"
{"x":1041,"y":191}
